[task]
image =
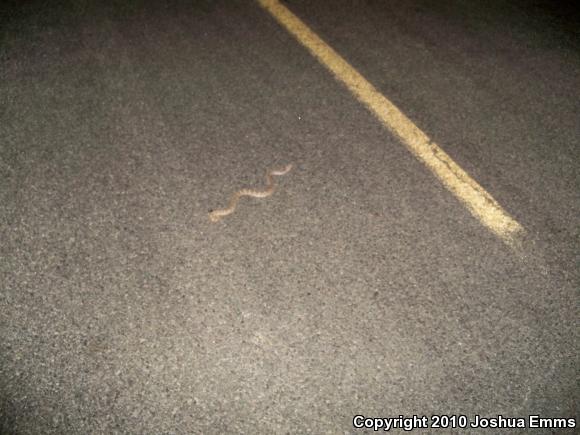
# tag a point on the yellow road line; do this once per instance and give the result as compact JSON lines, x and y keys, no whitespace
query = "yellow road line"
{"x":480,"y":203}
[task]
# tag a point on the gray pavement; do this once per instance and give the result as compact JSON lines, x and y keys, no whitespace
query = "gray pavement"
{"x":362,"y":286}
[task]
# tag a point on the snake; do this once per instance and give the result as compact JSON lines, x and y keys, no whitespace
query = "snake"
{"x":217,"y":215}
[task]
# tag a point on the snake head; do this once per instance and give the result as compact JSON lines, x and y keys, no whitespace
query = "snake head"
{"x":214,"y":217}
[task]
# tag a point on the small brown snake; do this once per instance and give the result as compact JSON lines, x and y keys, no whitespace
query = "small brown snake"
{"x":216,"y":215}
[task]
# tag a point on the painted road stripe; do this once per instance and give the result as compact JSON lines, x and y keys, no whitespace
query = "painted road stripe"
{"x":480,"y":203}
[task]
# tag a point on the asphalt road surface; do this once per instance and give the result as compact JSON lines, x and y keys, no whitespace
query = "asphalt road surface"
{"x":362,"y":286}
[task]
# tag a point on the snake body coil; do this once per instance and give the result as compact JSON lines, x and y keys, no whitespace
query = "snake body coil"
{"x":216,"y":215}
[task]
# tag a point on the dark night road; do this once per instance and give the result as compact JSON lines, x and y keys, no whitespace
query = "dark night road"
{"x":365,"y":285}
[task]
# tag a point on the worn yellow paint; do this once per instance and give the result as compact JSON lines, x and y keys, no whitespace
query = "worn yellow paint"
{"x":477,"y":200}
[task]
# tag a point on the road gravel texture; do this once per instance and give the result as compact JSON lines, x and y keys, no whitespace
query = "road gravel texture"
{"x":360,"y":287}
